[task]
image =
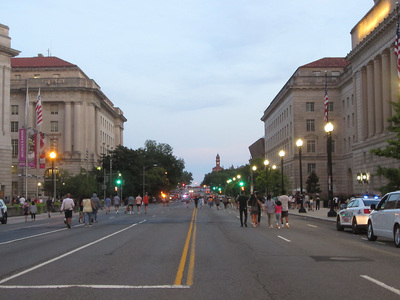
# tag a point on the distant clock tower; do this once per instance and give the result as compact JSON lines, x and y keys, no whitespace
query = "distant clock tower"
{"x":217,"y":167}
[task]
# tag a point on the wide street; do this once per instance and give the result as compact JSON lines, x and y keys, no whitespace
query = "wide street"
{"x":176,"y":252}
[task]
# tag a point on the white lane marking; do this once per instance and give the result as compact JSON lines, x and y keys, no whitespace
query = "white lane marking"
{"x":67,"y":254}
{"x":312,"y":226}
{"x":32,"y":236}
{"x":281,"y":237}
{"x":381,"y":284}
{"x":378,"y":242}
{"x":97,"y":286}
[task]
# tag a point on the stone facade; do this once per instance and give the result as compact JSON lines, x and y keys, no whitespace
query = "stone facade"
{"x":6,"y":52}
{"x":359,"y":93}
{"x":80,"y":122}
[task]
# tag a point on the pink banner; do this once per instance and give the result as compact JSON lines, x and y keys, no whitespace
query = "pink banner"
{"x":22,"y":147}
{"x":31,"y":148}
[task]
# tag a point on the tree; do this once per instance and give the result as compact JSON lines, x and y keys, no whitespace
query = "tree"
{"x":392,"y":150}
{"x":312,"y":183}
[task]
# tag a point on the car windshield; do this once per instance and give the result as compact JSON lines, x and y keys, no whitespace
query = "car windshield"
{"x":368,"y":202}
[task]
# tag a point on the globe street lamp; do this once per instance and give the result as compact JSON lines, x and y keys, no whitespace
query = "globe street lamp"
{"x":329,"y":129}
{"x":299,"y":143}
{"x":266,"y":163}
{"x":53,"y":156}
{"x":282,"y":154}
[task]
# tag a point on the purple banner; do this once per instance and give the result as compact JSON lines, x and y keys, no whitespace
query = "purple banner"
{"x":31,"y":148}
{"x":22,"y":147}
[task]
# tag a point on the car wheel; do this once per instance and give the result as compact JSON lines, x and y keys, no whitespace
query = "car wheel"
{"x":338,"y":226}
{"x":4,"y":220}
{"x":370,"y":232}
{"x":354,"y":227}
{"x":396,"y":236}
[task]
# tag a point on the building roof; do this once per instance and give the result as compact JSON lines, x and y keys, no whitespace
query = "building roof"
{"x":328,"y":62}
{"x":39,"y":62}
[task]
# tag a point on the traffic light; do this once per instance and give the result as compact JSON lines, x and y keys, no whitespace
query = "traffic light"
{"x":241,"y":184}
{"x":118,"y":181}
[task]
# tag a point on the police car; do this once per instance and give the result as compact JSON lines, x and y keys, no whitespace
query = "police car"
{"x":356,"y":213}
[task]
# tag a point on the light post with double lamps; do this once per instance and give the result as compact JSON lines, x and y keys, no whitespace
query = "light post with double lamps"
{"x":328,"y":130}
{"x":282,"y":154}
{"x":266,"y":164}
{"x":299,"y":144}
{"x":53,"y":156}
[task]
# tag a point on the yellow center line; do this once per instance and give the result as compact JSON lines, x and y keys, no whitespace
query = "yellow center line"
{"x":179,"y":274}
{"x":189,"y":280}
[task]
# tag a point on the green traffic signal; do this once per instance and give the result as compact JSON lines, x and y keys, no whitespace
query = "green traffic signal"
{"x":241,"y":183}
{"x":118,"y":181}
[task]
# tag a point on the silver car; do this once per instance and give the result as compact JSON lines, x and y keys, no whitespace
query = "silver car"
{"x":355,"y":215}
{"x":384,"y":221}
{"x":3,"y":212}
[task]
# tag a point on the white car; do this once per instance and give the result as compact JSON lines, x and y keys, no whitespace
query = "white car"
{"x":384,"y":221}
{"x":355,"y":215}
{"x":3,"y":212}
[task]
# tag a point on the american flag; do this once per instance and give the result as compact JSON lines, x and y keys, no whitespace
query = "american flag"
{"x":326,"y":99}
{"x":397,"y":46}
{"x":39,"y":117}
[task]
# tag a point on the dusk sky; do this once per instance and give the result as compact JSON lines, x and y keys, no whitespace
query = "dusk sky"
{"x":196,"y":75}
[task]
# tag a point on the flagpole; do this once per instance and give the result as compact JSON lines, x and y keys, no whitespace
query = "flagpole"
{"x":26,"y":139}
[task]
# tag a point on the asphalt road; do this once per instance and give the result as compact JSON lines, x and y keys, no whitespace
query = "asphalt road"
{"x":176,"y":252}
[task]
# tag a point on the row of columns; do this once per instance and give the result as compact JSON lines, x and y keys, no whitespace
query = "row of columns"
{"x":378,"y":88}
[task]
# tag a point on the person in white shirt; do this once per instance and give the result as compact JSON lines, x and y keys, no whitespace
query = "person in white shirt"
{"x":67,"y":207}
{"x":285,"y":208}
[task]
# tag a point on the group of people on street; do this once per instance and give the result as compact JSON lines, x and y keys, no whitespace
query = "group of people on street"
{"x":276,"y":209}
{"x":29,"y":208}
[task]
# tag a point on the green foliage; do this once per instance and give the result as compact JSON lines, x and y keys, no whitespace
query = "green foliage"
{"x":392,"y":150}
{"x":312,"y":183}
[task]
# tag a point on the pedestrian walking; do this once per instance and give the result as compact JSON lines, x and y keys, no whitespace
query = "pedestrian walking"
{"x":108,"y":205}
{"x":49,"y":205}
{"x":25,"y":208}
{"x":217,"y":202}
{"x":284,"y":199}
{"x":254,"y":203}
{"x":130,"y":204}
{"x":117,"y":202}
{"x":269,"y":205}
{"x":146,"y":202}
{"x":87,"y":209}
{"x":67,"y":207}
{"x":241,"y":205}
{"x":96,"y":207}
{"x":317,"y":200}
{"x":196,"y":201}
{"x":33,"y":210}
{"x":278,"y":213}
{"x":210,"y":201}
{"x":138,"y":201}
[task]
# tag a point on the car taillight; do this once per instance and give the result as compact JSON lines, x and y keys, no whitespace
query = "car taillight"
{"x":367,"y":211}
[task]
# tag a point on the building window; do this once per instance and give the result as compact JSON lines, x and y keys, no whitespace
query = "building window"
{"x":14,"y":126}
{"x":54,"y":144}
{"x":17,"y":77}
{"x":316,"y":73}
{"x":335,"y":73}
{"x":14,"y":147}
{"x":14,"y":109}
{"x":311,"y":146}
{"x":311,"y":168}
{"x":54,"y":109}
{"x":53,"y":126}
{"x":310,"y":125}
{"x":330,"y":106}
{"x":36,"y":76}
{"x":309,"y":106}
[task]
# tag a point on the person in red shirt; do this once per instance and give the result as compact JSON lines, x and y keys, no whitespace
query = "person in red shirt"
{"x":145,"y":202}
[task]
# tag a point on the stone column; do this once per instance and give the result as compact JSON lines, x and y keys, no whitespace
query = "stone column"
{"x":364,"y":103}
{"x":67,"y":127}
{"x":386,"y":86}
{"x":77,"y":126}
{"x":378,"y":95}
{"x":394,"y":77}
{"x":370,"y":100}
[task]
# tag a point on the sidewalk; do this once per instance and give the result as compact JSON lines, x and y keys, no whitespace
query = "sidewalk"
{"x":42,"y":216}
{"x":321,"y":214}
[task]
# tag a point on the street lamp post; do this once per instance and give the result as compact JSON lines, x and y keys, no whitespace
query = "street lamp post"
{"x":53,"y":156}
{"x":266,"y":163}
{"x":329,"y":129}
{"x":253,"y":168}
{"x":144,"y":177}
{"x":282,"y":154}
{"x":299,"y":144}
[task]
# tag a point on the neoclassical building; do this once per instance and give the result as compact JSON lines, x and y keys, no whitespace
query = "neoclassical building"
{"x":79,"y":122}
{"x":360,"y":88}
{"x":6,"y":53}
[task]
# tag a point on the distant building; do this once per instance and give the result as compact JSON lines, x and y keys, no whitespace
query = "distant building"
{"x":217,"y":167}
{"x":79,"y":122}
{"x":257,"y":149}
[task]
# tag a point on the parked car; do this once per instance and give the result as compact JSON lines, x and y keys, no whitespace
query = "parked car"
{"x":3,"y":213}
{"x":384,"y":220}
{"x":355,"y":214}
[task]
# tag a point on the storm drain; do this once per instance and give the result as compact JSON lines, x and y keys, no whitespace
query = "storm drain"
{"x":340,"y":258}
